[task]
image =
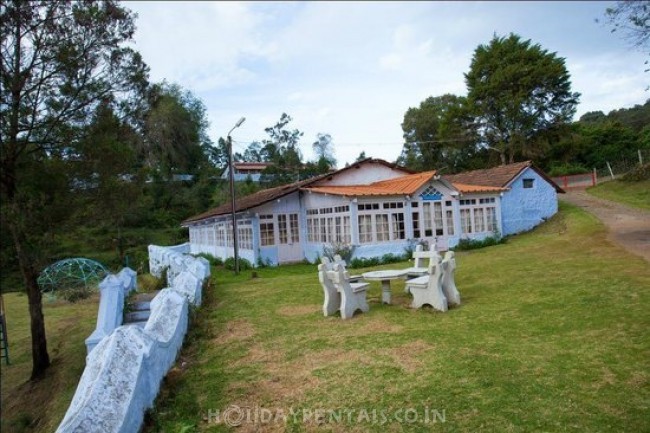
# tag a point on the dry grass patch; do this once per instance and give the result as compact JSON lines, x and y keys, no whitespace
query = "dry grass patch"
{"x":298,"y":310}
{"x":236,"y":330}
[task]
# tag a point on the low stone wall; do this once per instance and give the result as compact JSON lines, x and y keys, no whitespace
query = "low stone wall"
{"x":113,"y":290}
{"x":124,"y":371}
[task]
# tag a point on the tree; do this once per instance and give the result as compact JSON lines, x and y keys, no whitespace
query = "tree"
{"x":438,"y":134}
{"x":324,"y":150}
{"x":60,"y":59}
{"x":515,"y":90}
{"x":176,"y":131}
{"x":632,"y":19}
{"x":361,"y":156}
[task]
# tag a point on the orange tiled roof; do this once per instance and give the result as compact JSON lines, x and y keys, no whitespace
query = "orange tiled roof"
{"x":402,"y":185}
{"x":267,"y":195}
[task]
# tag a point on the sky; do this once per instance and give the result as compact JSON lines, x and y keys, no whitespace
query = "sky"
{"x":352,"y":69}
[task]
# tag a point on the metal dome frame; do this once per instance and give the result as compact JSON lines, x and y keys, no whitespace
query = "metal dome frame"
{"x":71,"y":273}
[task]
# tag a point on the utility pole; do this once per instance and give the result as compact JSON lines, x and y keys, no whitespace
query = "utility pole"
{"x":231,"y":169}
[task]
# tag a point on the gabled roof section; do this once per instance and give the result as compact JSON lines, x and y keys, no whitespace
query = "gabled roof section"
{"x":475,"y":189}
{"x":497,"y":177}
{"x":261,"y":197}
{"x":404,"y":185}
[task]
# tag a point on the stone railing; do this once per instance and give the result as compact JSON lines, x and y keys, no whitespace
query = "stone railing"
{"x":124,"y":371}
{"x":113,"y":290}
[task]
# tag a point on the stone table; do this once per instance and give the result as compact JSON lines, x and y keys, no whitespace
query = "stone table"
{"x":385,"y":277}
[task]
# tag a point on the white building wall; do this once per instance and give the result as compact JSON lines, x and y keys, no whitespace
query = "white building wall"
{"x":364,"y":174}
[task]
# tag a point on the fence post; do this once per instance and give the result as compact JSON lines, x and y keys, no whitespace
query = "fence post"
{"x":611,"y":173}
{"x":640,"y":157}
{"x":594,"y":177}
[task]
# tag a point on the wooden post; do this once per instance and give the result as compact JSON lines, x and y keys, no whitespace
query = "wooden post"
{"x":640,"y":157}
{"x":609,"y":167}
{"x":594,"y":177}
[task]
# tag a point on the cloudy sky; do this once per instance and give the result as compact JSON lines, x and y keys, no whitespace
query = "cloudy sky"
{"x":352,"y":69}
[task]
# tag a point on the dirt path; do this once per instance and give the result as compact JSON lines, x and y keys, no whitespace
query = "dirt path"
{"x":628,"y":227}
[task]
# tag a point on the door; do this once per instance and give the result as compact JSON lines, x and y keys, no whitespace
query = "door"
{"x":435,"y":224}
{"x":289,"y":249}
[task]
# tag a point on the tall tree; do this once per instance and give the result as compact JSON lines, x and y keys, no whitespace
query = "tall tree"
{"x":631,"y":18}
{"x":438,"y":134}
{"x":324,"y":150}
{"x":515,"y":90}
{"x":176,"y":131}
{"x":60,"y":59}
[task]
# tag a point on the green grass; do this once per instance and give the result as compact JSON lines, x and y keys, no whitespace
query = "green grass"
{"x":40,"y":406}
{"x":551,"y":336}
{"x":634,"y":194}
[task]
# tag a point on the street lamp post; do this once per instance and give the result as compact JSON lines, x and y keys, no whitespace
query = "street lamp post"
{"x":231,"y":168}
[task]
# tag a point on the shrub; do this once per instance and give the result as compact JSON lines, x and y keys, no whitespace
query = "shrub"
{"x":244,"y":264}
{"x":214,"y":261}
{"x":641,"y":172}
{"x":473,"y":244}
{"x":338,"y":248}
{"x":567,"y":169}
{"x":74,"y":294}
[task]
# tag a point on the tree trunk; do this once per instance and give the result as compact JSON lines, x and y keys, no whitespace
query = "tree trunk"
{"x":40,"y":357}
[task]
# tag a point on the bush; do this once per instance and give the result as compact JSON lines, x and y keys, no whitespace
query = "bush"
{"x":244,"y":264}
{"x":214,"y":261}
{"x":567,"y":169}
{"x":74,"y":294}
{"x":473,"y":244}
{"x":338,"y":248}
{"x":641,"y":172}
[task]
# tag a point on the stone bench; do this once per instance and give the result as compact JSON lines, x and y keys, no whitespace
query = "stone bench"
{"x":341,"y":294}
{"x":428,"y":289}
{"x":447,"y":284}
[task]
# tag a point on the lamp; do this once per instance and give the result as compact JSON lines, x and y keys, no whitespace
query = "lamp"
{"x":231,"y":168}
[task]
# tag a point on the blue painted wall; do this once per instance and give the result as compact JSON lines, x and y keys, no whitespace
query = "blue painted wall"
{"x":524,"y":208}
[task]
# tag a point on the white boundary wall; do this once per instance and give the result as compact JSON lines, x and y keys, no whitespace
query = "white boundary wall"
{"x":124,"y":371}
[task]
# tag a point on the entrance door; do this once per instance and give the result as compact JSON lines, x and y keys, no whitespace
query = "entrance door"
{"x":434,"y":225}
{"x":289,"y":249}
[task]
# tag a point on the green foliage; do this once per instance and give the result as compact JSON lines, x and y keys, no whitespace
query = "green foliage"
{"x":356,"y":263}
{"x":214,"y":261}
{"x":439,"y":134}
{"x":74,"y":294}
{"x":473,"y":244}
{"x":338,"y":248}
{"x":641,"y":172}
{"x":516,"y":89}
{"x":244,"y":265}
{"x":567,"y":169}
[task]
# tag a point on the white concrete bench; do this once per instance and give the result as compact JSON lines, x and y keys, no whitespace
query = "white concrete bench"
{"x":448,"y":281}
{"x":428,"y":289}
{"x":353,"y":295}
{"x":421,"y":260}
{"x":353,"y":278}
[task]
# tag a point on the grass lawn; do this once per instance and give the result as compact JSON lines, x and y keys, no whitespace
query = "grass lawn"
{"x":552,"y":336}
{"x":634,"y":194}
{"x":40,"y":406}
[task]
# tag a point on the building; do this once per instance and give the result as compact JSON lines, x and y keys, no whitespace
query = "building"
{"x":379,"y":208}
{"x":244,"y":170}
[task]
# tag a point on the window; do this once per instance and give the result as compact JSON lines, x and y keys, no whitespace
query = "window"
{"x":365,"y":229}
{"x":528,"y":183}
{"x":368,"y":206}
{"x":428,"y":227}
{"x":437,"y":214}
{"x":295,"y":230}
{"x":466,"y":220}
{"x":245,"y":235}
{"x":491,"y":216}
{"x":398,"y":226}
{"x":479,"y":223}
{"x":450,"y":222}
{"x":416,"y":224}
{"x":283,"y":229}
{"x":383,"y":231}
{"x":267,"y":235}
